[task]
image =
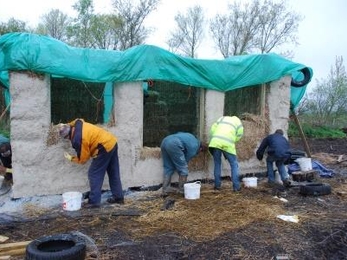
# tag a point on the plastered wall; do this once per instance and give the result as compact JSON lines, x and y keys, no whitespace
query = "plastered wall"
{"x":41,"y":169}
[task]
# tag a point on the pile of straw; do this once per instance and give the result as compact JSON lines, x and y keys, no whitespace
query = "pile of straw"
{"x":53,"y":135}
{"x":210,"y":216}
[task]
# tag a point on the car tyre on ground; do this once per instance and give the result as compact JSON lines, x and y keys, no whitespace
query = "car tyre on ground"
{"x":315,"y":189}
{"x":54,"y":247}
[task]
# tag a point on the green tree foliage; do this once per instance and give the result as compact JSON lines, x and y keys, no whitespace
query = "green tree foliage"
{"x":327,"y":103}
{"x":311,"y":131}
{"x":103,"y":31}
{"x":189,"y":32}
{"x":258,"y":26}
{"x":131,"y":14}
{"x":54,"y":24}
{"x":13,"y":25}
{"x":79,"y":32}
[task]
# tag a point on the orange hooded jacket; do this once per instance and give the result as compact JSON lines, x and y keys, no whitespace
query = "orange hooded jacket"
{"x":86,"y":139}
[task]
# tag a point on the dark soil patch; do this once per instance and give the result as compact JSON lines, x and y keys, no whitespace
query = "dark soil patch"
{"x":116,"y":233}
{"x":324,"y":145}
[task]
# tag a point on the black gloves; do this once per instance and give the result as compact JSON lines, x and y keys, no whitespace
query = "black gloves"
{"x":259,"y":156}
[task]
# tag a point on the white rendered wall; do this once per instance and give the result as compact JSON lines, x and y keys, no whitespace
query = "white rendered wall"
{"x":41,"y":169}
{"x":278,"y":102}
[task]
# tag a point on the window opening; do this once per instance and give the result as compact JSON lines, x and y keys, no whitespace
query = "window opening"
{"x":169,"y":108}
{"x":72,"y":99}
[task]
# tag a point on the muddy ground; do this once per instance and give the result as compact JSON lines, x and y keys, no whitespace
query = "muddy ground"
{"x":217,"y":226}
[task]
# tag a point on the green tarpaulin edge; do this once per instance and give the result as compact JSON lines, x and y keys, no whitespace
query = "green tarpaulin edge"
{"x":43,"y":54}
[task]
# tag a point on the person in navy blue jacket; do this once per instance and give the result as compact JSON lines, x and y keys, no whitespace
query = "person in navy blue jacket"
{"x":176,"y":151}
{"x":277,"y":152}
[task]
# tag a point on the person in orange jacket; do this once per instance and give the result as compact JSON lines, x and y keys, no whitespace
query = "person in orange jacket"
{"x":91,"y":141}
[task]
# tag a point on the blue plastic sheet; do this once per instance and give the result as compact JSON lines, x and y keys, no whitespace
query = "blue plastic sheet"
{"x":316,"y":165}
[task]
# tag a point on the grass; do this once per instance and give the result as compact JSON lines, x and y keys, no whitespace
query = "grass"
{"x":315,"y":131}
{"x":5,"y":128}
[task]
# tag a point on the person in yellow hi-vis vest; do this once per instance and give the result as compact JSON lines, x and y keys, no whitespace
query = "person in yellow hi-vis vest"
{"x":224,"y":134}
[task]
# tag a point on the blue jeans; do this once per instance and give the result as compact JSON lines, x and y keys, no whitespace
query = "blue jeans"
{"x":172,"y":152}
{"x":232,"y":159}
{"x":104,"y":162}
{"x":280,"y":166}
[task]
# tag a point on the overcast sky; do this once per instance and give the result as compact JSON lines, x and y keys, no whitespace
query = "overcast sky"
{"x":321,"y":34}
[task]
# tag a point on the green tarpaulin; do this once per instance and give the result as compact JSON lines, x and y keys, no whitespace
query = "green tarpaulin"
{"x":25,"y":51}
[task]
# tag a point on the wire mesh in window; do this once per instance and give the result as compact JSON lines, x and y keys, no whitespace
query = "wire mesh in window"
{"x":169,"y":108}
{"x":243,"y":100}
{"x":71,"y":99}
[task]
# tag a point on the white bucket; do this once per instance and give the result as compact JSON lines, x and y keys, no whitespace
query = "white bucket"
{"x":72,"y":200}
{"x":192,"y":190}
{"x":250,"y":182}
{"x":304,"y":163}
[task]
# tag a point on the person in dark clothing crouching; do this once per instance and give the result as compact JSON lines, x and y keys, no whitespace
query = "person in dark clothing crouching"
{"x":278,"y":151}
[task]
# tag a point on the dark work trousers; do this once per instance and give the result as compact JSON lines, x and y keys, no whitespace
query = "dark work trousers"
{"x":104,"y":162}
{"x":7,"y":162}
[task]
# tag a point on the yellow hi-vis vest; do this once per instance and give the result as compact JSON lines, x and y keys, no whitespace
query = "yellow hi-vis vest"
{"x":225,"y":133}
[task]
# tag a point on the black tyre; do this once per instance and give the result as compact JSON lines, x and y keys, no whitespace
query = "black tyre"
{"x":307,"y":76}
{"x":315,"y":189}
{"x":56,"y":247}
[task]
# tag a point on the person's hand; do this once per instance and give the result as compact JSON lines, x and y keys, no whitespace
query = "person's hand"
{"x":68,"y":156}
{"x":2,"y":169}
{"x":259,"y":156}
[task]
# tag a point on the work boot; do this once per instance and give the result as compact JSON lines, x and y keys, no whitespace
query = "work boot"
{"x":166,"y":185}
{"x":114,"y":200}
{"x":287,"y":183}
{"x":181,"y":181}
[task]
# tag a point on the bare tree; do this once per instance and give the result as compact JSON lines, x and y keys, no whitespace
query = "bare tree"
{"x":54,"y":24}
{"x":328,"y":100}
{"x":258,"y":26}
{"x":131,"y":30}
{"x":189,"y":32}
{"x":277,"y":26}
{"x":234,"y":33}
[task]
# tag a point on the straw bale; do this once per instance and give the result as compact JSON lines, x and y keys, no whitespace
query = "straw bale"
{"x":255,"y":129}
{"x":199,"y":162}
{"x":150,"y":152}
{"x":53,"y":135}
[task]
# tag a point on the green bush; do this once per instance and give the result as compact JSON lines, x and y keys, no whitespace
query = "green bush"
{"x":315,"y":131}
{"x":5,"y":128}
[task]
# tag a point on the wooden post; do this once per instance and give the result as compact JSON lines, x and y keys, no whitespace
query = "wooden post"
{"x":13,"y":249}
{"x":307,"y":148}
